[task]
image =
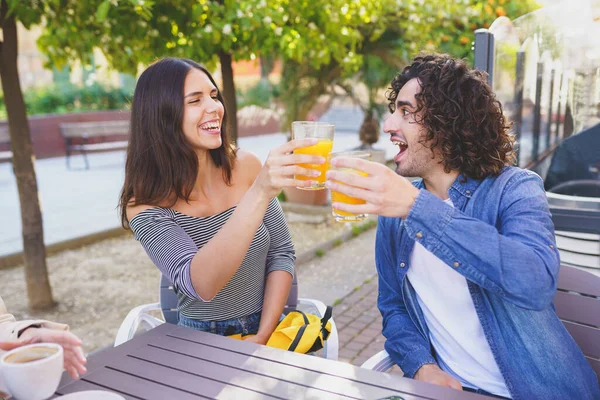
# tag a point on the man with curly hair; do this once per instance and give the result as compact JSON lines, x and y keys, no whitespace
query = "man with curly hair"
{"x":466,"y":255}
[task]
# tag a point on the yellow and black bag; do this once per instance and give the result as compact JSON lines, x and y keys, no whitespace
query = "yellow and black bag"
{"x":301,"y":332}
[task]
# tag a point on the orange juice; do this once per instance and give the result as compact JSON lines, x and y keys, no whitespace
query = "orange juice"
{"x":337,"y":197}
{"x":322,"y":148}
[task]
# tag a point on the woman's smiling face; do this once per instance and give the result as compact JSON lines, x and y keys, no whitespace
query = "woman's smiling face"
{"x":202,"y":111}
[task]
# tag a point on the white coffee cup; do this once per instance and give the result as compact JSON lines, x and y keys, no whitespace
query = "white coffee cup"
{"x":32,"y":372}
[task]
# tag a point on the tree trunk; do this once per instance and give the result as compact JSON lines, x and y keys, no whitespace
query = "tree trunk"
{"x":369,"y":130}
{"x":36,"y":273}
{"x":229,"y":94}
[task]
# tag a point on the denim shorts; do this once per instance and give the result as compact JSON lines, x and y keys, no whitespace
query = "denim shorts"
{"x":247,"y":325}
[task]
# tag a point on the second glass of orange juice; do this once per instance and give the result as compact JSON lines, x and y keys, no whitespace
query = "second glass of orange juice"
{"x":323,"y":131}
{"x":337,"y":197}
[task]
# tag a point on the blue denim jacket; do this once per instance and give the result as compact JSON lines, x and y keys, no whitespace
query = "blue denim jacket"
{"x":499,"y":235}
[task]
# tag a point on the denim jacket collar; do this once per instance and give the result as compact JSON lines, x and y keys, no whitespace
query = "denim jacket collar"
{"x":463,"y":186}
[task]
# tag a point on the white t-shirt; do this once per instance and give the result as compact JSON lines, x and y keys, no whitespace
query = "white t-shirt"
{"x":454,"y":328}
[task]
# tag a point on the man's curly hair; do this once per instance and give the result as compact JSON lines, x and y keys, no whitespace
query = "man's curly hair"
{"x":460,"y":113}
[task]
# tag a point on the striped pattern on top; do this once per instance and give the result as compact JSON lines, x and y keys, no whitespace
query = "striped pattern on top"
{"x":172,"y":239}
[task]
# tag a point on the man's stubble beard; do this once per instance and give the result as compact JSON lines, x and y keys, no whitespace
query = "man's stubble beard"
{"x":417,"y":166}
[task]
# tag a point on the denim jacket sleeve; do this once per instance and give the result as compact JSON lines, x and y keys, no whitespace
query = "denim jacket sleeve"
{"x":405,"y":344}
{"x":516,"y":259}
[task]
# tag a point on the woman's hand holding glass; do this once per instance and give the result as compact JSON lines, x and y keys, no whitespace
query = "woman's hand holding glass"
{"x":280,"y":167}
{"x":385,"y":192}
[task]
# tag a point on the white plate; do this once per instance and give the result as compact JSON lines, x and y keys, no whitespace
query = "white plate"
{"x":93,"y":395}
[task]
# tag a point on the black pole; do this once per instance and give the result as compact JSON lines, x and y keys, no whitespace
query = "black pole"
{"x":485,"y":53}
{"x":558,"y":109}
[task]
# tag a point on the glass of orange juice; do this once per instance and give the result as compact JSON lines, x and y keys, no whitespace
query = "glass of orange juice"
{"x":337,"y":197}
{"x":323,"y":131}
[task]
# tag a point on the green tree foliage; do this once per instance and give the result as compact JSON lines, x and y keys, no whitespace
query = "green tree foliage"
{"x":133,"y":32}
{"x":138,"y":31}
{"x":321,"y":43}
{"x":404,"y":29}
{"x":447,"y":26}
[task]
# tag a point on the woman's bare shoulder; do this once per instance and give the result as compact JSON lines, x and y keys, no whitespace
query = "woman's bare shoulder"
{"x":248,"y":164}
{"x":134,"y":210}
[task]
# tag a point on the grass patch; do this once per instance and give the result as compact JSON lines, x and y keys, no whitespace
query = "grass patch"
{"x":319,"y":252}
{"x":368,"y":281}
{"x":369,"y":224}
{"x":337,"y":242}
{"x":358,"y":229}
{"x":337,"y":302}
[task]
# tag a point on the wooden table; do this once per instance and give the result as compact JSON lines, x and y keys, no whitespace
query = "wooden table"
{"x":173,"y":362}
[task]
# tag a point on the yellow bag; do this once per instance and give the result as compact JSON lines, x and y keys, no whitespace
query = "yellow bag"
{"x":301,"y":333}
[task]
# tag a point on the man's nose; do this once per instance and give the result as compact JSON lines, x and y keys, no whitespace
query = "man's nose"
{"x":388,"y":123}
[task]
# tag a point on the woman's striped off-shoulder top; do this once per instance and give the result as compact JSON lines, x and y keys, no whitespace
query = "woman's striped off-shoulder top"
{"x":171,"y":239}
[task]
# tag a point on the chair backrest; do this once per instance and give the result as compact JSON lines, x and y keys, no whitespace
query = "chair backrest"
{"x":577,"y":234}
{"x":168,"y":299}
{"x":573,"y":220}
{"x":292,"y":301}
{"x":577,"y":303}
{"x":579,"y":187}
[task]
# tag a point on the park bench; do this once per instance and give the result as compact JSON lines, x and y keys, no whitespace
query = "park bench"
{"x":77,"y":137}
{"x":5,"y":156}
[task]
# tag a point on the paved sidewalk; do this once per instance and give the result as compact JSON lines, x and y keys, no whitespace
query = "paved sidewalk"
{"x":346,"y":278}
{"x":358,"y":322}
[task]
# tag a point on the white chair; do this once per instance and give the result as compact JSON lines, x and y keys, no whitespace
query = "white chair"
{"x":139,"y":317}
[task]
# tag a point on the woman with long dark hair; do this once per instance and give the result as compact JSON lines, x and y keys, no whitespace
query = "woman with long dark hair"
{"x":206,"y":213}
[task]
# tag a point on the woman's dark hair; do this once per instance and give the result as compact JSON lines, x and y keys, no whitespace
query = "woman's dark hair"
{"x":161,"y":165}
{"x":460,"y":113}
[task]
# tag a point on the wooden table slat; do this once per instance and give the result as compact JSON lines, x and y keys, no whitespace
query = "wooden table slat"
{"x":98,"y":360}
{"x":172,"y":362}
{"x":186,"y":379}
{"x":81,"y":385}
{"x":328,"y":367}
{"x":138,"y":387}
{"x":260,"y":371}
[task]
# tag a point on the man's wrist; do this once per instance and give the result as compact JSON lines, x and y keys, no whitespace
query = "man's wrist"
{"x":424,"y":369}
{"x":413,"y":197}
